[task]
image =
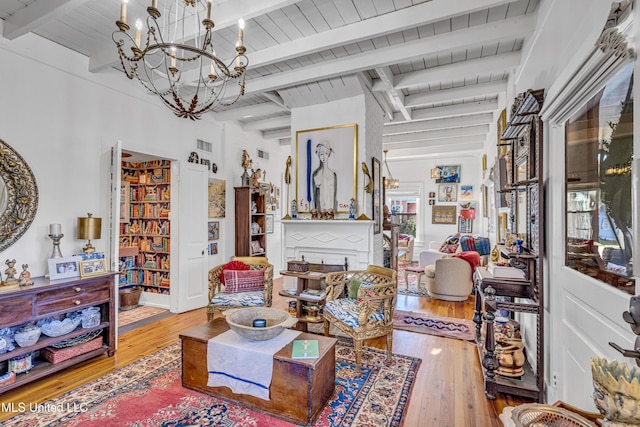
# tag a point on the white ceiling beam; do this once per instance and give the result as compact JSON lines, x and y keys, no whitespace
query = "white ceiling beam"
{"x":224,"y":15}
{"x":410,"y":17}
{"x":383,"y":101}
{"x":275,"y":123}
{"x":456,"y":140}
{"x":276,"y":98}
{"x":444,"y":123}
{"x":450,"y":111}
{"x":276,"y":133}
{"x":426,"y":152}
{"x":36,"y":14}
{"x":436,"y":134}
{"x":396,"y":97}
{"x":462,"y":92}
{"x":467,"y":38}
{"x":248,"y":111}
{"x":457,"y":71}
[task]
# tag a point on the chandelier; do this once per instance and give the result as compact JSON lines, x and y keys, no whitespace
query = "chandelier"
{"x":177,"y":60}
{"x":389,"y":183}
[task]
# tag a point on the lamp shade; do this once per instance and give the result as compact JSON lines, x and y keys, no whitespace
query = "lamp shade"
{"x":89,"y":228}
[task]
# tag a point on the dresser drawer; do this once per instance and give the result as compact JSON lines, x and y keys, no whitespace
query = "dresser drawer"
{"x":71,"y":297}
{"x":16,"y":310}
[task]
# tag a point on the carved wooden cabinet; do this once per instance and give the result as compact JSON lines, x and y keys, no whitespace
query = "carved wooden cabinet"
{"x":51,"y":299}
{"x":524,"y":193}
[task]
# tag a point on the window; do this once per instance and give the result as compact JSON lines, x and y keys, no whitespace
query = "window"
{"x":599,"y":152}
{"x":405,"y":207}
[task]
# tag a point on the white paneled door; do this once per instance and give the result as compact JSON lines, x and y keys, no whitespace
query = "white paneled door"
{"x":191,"y":232}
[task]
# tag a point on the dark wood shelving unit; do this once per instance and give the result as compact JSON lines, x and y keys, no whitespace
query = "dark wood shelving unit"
{"x":249,"y":242}
{"x":523,"y":136}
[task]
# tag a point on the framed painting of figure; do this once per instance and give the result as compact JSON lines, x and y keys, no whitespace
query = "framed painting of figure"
{"x":326,"y":168}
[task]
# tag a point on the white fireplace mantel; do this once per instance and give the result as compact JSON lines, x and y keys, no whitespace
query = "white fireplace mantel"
{"x":329,"y":241}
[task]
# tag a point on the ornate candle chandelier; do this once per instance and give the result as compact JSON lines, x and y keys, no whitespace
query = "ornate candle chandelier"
{"x":177,"y":60}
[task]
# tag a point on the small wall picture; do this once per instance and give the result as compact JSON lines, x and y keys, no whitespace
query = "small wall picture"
{"x":213,"y":248}
{"x":432,"y":194}
{"x":63,"y":268}
{"x":92,"y":267}
{"x":268,"y":224}
{"x":214,"y":230}
{"x":432,"y":202}
{"x":466,"y":192}
{"x":443,"y":214}
{"x":447,"y":192}
{"x":447,"y":174}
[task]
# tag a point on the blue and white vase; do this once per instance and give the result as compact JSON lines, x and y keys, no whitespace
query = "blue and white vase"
{"x":294,"y":209}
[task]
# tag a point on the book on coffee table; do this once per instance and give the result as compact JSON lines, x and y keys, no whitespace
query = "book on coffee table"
{"x":305,"y":349}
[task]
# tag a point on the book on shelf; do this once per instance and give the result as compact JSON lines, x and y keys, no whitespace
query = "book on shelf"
{"x":505,"y":271}
{"x":314,"y":294}
{"x":305,"y":349}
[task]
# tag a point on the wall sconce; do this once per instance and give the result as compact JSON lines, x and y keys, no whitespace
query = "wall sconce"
{"x":89,"y":228}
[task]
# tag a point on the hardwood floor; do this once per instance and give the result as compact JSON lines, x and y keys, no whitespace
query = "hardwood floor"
{"x":448,"y":390}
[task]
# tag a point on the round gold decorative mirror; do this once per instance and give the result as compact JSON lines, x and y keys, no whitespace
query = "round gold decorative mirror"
{"x":18,"y":196}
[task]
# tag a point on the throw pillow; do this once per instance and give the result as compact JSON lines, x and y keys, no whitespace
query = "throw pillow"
{"x":233,"y":265}
{"x":354,"y":285}
{"x":243,"y":281}
{"x":450,"y":245}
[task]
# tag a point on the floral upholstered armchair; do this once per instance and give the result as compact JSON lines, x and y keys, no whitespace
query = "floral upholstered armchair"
{"x":366,"y":311}
{"x":244,"y":282}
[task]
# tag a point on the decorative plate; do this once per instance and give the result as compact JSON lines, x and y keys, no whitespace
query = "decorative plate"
{"x":80,"y":339}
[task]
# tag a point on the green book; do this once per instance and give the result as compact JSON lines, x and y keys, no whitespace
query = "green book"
{"x":305,"y":349}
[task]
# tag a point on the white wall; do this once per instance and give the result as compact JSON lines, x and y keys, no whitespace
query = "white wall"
{"x":63,"y":120}
{"x":417,"y":174}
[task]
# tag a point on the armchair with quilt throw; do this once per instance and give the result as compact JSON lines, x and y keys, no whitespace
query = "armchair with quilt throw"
{"x":243,"y":282}
{"x":366,"y":311}
{"x":451,"y":277}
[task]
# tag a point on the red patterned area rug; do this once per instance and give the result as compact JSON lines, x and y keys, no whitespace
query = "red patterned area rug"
{"x":149,"y":393}
{"x":425,"y":323}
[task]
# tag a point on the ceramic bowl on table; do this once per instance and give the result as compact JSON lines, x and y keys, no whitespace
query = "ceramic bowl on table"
{"x":55,"y":328}
{"x":241,"y":321}
{"x":27,"y":335}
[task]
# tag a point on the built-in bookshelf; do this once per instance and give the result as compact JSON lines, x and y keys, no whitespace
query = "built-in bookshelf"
{"x":147,"y":225}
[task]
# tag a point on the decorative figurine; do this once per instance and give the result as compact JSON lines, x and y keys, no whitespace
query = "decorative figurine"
{"x":352,"y":208}
{"x":517,"y":248}
{"x":25,"y":276}
{"x":10,"y":272}
{"x":294,"y":209}
{"x":247,"y":163}
{"x":255,"y":177}
{"x":287,"y":180}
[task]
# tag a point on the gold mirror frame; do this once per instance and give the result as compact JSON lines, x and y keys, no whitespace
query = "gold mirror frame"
{"x":20,"y":194}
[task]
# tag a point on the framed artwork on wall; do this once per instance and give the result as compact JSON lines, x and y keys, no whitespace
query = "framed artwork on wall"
{"x":326,"y":168}
{"x":216,"y":198}
{"x":214,"y":230}
{"x":268,"y":224}
{"x":447,"y":192}
{"x":443,"y":214}
{"x":466,"y":192}
{"x":447,"y":173}
{"x":377,"y":195}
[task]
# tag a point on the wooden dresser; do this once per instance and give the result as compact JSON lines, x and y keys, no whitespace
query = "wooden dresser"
{"x":50,"y":299}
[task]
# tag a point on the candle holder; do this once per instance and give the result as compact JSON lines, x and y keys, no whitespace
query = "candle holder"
{"x":56,"y":245}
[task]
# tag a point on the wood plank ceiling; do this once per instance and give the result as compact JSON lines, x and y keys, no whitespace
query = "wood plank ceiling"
{"x":436,"y":67}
